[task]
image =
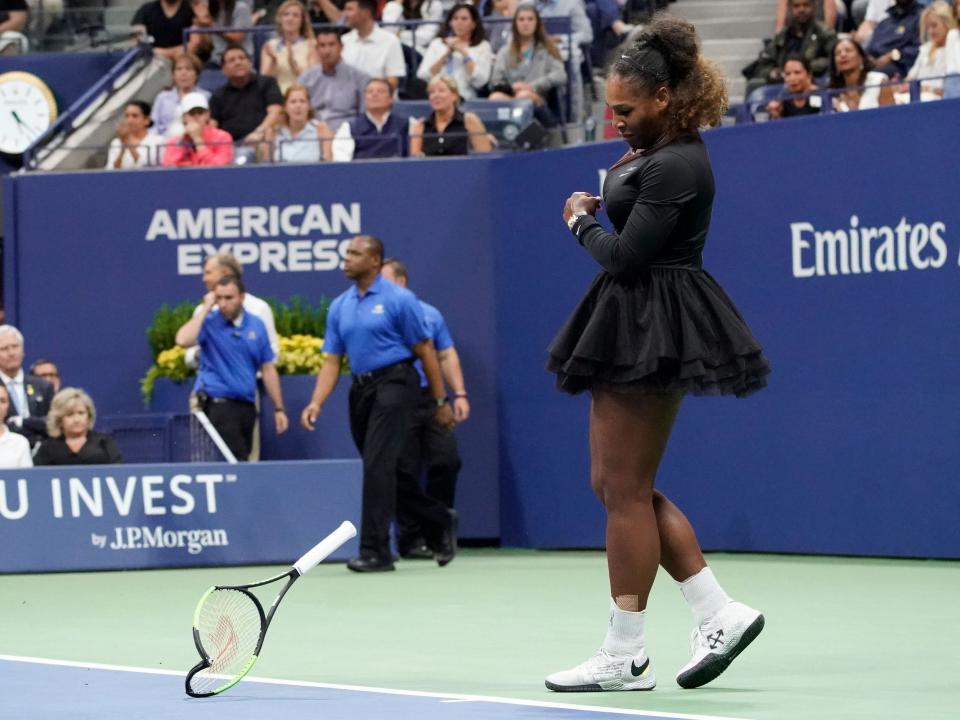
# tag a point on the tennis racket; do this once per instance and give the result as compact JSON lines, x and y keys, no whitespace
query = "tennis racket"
{"x":229,"y":624}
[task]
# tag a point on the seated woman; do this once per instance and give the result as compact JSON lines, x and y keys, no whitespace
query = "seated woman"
{"x":165,"y":115}
{"x":859,"y":86}
{"x":461,"y":51}
{"x":798,"y":82}
{"x":447,"y":131}
{"x":939,"y":54}
{"x":72,"y":440}
{"x":299,"y":137}
{"x":135,"y":144}
{"x":419,"y":36}
{"x":530,"y":66}
{"x":226,"y":14}
{"x":288,"y":55}
{"x":14,"y":448}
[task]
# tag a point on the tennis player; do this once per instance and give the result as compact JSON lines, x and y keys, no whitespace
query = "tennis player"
{"x":653,"y":327}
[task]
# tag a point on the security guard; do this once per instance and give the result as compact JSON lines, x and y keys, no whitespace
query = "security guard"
{"x":381,"y":329}
{"x":429,"y":444}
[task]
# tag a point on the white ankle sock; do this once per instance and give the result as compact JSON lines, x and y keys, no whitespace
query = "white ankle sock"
{"x":704,"y":595}
{"x":625,"y":632}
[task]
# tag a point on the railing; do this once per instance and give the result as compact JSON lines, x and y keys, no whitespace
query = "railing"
{"x":65,"y":122}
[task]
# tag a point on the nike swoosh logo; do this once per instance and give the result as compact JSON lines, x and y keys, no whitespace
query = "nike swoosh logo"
{"x":638,"y":671}
{"x":624,"y":174}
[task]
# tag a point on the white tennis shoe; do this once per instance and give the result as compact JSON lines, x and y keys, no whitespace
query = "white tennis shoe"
{"x":606,"y":672}
{"x":715,"y":644}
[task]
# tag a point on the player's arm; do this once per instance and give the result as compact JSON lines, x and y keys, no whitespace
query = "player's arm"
{"x":431,"y":368}
{"x":453,"y":374}
{"x":271,"y":381}
{"x":326,"y":382}
{"x":189,"y":332}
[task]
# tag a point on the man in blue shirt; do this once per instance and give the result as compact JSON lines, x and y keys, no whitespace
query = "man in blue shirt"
{"x":381,"y":329}
{"x":896,"y":40}
{"x":429,"y":444}
{"x":233,"y":347}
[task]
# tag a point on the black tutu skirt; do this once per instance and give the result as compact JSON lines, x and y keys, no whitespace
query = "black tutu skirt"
{"x":671,"y":330}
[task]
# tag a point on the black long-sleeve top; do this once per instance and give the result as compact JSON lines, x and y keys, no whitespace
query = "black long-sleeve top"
{"x":100,"y":449}
{"x":660,"y":205}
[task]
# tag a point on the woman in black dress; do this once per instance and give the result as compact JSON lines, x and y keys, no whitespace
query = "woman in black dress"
{"x":653,"y":327}
{"x":72,"y":440}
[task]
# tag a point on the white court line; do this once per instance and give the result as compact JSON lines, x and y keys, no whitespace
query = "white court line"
{"x":444,"y":697}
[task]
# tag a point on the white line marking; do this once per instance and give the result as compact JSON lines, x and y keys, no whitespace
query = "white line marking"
{"x":450,"y":697}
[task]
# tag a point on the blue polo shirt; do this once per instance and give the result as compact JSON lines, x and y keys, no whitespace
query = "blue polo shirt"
{"x":230,"y":356}
{"x":375,"y":330}
{"x":437,"y":328}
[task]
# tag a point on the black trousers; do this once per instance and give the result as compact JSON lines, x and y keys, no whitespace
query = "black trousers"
{"x":234,"y":420}
{"x":381,"y":410}
{"x":428,"y":444}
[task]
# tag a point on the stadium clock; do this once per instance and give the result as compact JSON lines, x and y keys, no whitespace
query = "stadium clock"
{"x":27,"y":110}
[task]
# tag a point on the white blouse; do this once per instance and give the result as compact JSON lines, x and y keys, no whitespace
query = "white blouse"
{"x":935,"y":63}
{"x":455,"y":66}
{"x":420,"y":36}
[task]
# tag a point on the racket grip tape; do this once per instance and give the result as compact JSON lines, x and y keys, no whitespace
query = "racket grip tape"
{"x":325,"y":547}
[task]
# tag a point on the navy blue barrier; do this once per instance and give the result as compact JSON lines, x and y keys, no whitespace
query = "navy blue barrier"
{"x":840,"y":248}
{"x":141,"y":516}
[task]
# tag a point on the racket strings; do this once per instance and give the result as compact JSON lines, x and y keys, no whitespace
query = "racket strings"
{"x":229,"y":625}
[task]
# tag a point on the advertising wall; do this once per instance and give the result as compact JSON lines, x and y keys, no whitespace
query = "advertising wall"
{"x":838,"y":238}
{"x":138,"y":516}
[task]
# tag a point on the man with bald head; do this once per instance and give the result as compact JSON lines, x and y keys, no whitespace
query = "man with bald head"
{"x":30,"y":396}
{"x":381,"y":329}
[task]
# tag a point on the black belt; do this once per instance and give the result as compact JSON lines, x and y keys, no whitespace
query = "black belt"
{"x":206,"y":400}
{"x":366,"y":378}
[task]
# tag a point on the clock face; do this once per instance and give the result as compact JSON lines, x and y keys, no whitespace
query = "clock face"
{"x":27,"y":109}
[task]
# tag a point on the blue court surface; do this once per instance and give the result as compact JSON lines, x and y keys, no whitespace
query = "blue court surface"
{"x":34,"y":689}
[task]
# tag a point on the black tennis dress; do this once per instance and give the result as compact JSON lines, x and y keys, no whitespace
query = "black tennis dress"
{"x":654,"y":321}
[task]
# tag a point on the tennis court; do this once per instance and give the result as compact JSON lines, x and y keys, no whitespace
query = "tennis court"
{"x":852,"y":638}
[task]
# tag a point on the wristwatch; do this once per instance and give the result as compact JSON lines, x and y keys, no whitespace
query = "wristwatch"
{"x":574,"y":219}
{"x":895,"y":55}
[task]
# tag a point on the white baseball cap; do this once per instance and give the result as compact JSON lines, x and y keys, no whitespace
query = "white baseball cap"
{"x":192,"y":101}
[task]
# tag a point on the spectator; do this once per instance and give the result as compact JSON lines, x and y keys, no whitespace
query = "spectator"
{"x":370,"y":48}
{"x":248,"y":104}
{"x":419,"y":37}
{"x":336,"y":87}
{"x":377,"y":133}
{"x":201,"y":142}
{"x":497,"y":22}
{"x":803,"y":36}
{"x":72,"y":440}
{"x":45,"y":370}
{"x":460,"y":50}
{"x":852,"y":73}
{"x":233,"y":347}
{"x":166,"y":105}
{"x":14,"y":447}
{"x":29,"y":395}
{"x":227,"y":14}
{"x":581,"y":37}
{"x":895,"y":43}
{"x":827,"y":11}
{"x":164,"y":21}
{"x":530,"y":67}
{"x":447,"y":130}
{"x":876,"y":11}
{"x":939,"y":55}
{"x":797,"y":82}
{"x":14,"y":15}
{"x":288,"y":56}
{"x":135,"y":145}
{"x":299,"y":137}
{"x":326,"y":11}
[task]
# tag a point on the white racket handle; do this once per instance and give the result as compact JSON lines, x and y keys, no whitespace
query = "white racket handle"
{"x":319,"y":552}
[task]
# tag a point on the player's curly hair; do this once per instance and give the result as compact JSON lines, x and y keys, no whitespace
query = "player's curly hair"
{"x":668,"y":53}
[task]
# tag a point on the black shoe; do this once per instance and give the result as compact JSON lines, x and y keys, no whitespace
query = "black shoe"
{"x":447,"y":547}
{"x":417,"y":551}
{"x":370,"y":563}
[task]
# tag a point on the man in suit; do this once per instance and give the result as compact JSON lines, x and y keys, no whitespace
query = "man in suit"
{"x":30,"y":396}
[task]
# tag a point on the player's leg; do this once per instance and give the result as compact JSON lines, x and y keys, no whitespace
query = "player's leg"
{"x":628,"y":436}
{"x":723,"y":627}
